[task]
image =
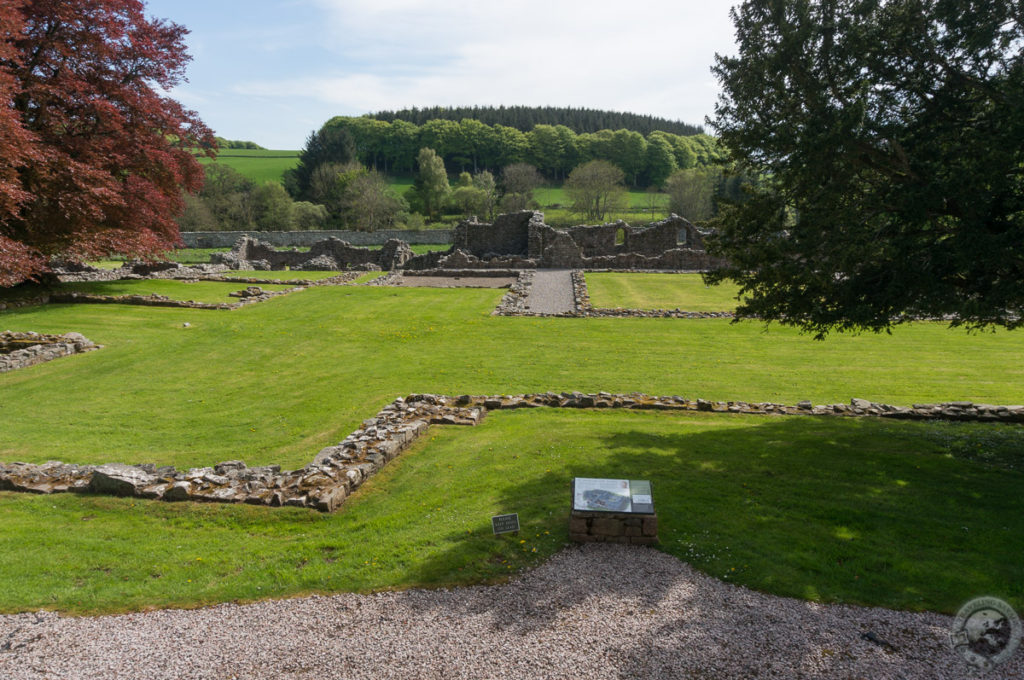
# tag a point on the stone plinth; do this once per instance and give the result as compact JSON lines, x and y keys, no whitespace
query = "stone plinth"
{"x":613,"y":527}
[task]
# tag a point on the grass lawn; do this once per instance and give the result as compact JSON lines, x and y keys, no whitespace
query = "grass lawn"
{"x":659,"y":291}
{"x":275,"y":382}
{"x":202,"y":291}
{"x":906,"y":523}
{"x":259,"y":165}
{"x":194,"y":255}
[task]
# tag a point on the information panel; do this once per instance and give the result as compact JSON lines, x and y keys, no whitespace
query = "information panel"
{"x":612,"y":495}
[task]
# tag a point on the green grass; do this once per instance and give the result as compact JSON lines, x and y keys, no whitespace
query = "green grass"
{"x":194,"y":255}
{"x":659,"y":291}
{"x":331,"y":356}
{"x":905,"y":524}
{"x":202,"y":291}
{"x":555,"y":204}
{"x":275,"y":382}
{"x":259,"y":165}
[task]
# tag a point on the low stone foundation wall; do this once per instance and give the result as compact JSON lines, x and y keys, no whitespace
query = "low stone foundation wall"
{"x":323,"y":484}
{"x":337,"y":470}
{"x":153,"y":300}
{"x":513,"y":302}
{"x":164,"y":301}
{"x":21,"y":350}
{"x":33,"y":301}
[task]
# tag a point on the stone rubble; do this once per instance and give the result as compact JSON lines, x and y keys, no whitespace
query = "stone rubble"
{"x":337,"y":470}
{"x":21,"y":350}
{"x":154,"y":300}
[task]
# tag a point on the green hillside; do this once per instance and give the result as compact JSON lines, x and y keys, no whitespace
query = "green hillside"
{"x":259,"y":165}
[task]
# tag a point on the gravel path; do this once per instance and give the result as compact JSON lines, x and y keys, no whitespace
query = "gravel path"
{"x":551,"y":292}
{"x":457,"y":281}
{"x":597,"y":611}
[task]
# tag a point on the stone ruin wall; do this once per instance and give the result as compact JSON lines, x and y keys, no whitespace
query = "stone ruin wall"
{"x":330,"y":254}
{"x":519,"y":240}
{"x":523,"y":240}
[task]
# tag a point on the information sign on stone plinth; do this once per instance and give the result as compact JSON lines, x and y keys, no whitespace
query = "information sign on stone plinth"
{"x":613,"y":511}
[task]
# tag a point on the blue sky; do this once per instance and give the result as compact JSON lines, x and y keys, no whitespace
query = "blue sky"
{"x":271,"y":72}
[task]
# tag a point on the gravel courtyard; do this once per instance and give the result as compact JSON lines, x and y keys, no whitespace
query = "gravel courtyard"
{"x":597,"y":611}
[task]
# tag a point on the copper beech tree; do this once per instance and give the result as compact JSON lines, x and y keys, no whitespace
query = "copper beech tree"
{"x":94,"y":154}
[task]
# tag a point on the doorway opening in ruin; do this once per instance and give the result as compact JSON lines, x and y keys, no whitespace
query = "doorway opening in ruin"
{"x":620,"y":236}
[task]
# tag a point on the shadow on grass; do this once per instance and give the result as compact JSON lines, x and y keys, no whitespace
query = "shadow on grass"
{"x":863,"y":512}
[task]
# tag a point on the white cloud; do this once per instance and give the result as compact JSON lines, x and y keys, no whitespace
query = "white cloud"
{"x":648,"y":57}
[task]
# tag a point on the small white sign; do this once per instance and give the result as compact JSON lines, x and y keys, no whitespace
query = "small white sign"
{"x":642,"y":500}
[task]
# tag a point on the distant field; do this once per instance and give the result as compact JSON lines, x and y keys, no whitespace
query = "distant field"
{"x":552,"y":195}
{"x":660,"y":291}
{"x":643,"y":208}
{"x":259,"y":165}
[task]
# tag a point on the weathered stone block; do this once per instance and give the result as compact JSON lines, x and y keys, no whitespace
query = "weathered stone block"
{"x":329,"y":499}
{"x":179,"y":491}
{"x":606,"y":527}
{"x":578,"y":525}
{"x":119,"y":480}
{"x":650,"y":526}
{"x":583,"y":538}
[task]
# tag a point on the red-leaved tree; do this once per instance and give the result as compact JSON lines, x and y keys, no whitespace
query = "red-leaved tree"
{"x":94,"y":156}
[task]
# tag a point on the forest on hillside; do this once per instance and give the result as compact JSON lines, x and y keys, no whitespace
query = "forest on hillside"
{"x":471,"y":146}
{"x":524,"y":118}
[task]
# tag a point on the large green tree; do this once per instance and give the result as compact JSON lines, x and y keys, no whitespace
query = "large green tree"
{"x":331,"y":144}
{"x":891,"y":138}
{"x":431,"y":188}
{"x":596,"y":189}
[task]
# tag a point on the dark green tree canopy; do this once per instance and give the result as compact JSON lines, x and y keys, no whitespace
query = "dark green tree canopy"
{"x":326,"y":145}
{"x":891,"y":137}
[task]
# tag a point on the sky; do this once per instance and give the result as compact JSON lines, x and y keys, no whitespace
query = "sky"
{"x":272,"y":72}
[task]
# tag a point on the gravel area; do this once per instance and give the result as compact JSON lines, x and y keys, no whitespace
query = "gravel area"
{"x":596,"y":611}
{"x":551,"y":292}
{"x":457,"y":281}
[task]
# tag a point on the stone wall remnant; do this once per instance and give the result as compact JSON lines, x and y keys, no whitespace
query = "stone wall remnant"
{"x":337,"y":470}
{"x":519,"y":240}
{"x":329,"y":254}
{"x":522,"y":239}
{"x":21,"y":350}
{"x":507,"y":235}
